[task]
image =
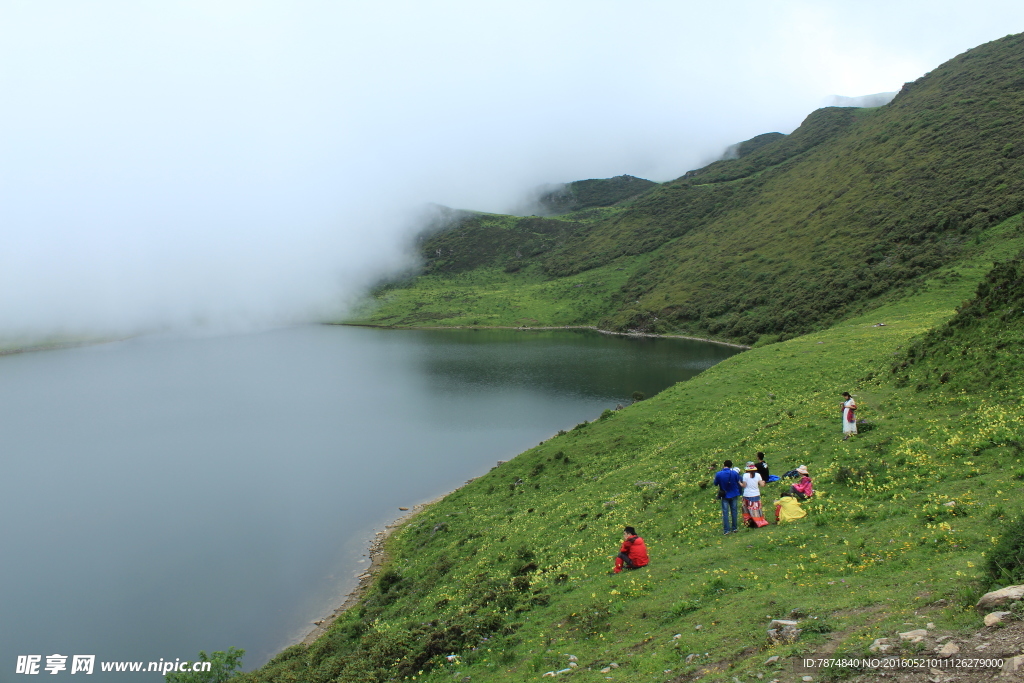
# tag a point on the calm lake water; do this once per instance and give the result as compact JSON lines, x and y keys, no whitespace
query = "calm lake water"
{"x":162,"y":496}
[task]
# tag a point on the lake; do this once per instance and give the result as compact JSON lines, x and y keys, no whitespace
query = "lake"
{"x":166,"y":495}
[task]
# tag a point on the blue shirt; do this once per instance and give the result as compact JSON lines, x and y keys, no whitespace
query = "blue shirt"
{"x":727,"y":480}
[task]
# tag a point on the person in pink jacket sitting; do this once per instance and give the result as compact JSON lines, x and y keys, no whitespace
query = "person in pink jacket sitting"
{"x":802,"y":489}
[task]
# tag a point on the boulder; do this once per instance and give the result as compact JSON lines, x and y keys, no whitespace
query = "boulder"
{"x":783,"y":631}
{"x":999,"y":598}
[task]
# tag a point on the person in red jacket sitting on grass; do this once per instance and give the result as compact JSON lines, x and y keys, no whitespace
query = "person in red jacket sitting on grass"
{"x":633,"y":553}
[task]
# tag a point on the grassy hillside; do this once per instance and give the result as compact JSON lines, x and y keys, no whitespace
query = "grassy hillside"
{"x":510,"y":573}
{"x":800,"y":231}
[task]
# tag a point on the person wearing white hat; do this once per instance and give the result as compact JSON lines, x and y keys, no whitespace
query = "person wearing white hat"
{"x":752,"y":483}
{"x":802,"y":489}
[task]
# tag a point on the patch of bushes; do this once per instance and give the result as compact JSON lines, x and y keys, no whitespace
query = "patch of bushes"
{"x":1004,"y":564}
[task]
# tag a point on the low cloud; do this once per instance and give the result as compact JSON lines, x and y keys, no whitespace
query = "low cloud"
{"x":230,"y":164}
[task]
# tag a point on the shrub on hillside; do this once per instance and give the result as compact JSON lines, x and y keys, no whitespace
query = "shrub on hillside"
{"x":1004,"y":564}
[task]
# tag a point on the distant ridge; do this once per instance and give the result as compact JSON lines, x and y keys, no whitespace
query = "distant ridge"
{"x":585,"y":194}
{"x":742,"y":149}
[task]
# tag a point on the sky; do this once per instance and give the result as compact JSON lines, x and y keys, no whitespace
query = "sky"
{"x":227,"y":164}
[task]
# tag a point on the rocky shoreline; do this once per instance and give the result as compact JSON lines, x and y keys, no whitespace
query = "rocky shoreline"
{"x":377,"y":560}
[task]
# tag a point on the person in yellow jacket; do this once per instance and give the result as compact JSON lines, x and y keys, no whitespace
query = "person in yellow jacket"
{"x":787,"y":509}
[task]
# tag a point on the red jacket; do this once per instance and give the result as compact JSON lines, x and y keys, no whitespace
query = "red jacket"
{"x":804,"y":486}
{"x":636,"y":550}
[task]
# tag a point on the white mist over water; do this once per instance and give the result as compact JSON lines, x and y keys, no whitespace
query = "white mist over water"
{"x":232,"y":164}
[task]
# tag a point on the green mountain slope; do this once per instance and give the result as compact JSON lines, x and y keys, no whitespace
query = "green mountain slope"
{"x":981,"y":347}
{"x":802,"y":231}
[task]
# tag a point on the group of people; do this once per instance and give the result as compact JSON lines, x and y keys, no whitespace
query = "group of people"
{"x":733,"y":485}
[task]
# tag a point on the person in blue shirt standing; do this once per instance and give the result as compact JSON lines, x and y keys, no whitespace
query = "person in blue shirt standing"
{"x":728,"y":482}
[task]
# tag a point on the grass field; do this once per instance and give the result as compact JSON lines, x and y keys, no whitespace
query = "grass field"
{"x":490,"y":297}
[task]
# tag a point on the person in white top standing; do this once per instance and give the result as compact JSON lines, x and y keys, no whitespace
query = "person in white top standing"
{"x":752,"y":483}
{"x":848,"y":407}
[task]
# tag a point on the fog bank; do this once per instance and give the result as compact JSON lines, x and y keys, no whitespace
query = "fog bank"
{"x":232,"y":164}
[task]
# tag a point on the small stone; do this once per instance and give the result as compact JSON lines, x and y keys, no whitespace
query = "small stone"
{"x":880,"y":645}
{"x":697,"y":627}
{"x":808,"y":679}
{"x":606,"y":670}
{"x":942,"y":638}
{"x":950,"y":504}
{"x":614,"y":665}
{"x":573,"y":665}
{"x":573,"y":658}
{"x":948,"y":649}
{"x":915,"y":636}
{"x":994,"y":618}
{"x":690,"y":658}
{"x":1013,"y":663}
{"x":929,"y":626}
{"x":772,"y":660}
